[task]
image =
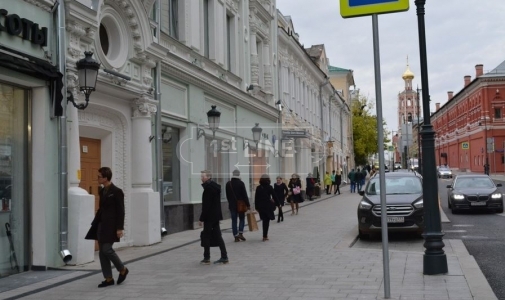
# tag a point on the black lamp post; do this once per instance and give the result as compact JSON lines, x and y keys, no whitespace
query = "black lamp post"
{"x":486,"y":166}
{"x":87,"y":69}
{"x":435,"y":260}
{"x":419,"y":160}
{"x":213,"y":116}
{"x":256,"y":131}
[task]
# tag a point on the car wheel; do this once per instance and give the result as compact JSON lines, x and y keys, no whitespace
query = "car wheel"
{"x":500,"y":211}
{"x":449,"y":203}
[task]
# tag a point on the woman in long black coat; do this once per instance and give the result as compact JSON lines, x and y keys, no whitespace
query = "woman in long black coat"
{"x":293,"y":198}
{"x":310,"y":186}
{"x":264,"y":201}
{"x":281,"y":191}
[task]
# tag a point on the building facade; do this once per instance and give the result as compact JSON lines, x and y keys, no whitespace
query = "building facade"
{"x":29,"y":90}
{"x":468,"y":119}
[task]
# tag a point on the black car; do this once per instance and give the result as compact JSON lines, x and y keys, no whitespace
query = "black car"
{"x":475,"y":191}
{"x":404,"y":200}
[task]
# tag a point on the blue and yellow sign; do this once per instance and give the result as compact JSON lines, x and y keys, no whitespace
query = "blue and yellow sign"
{"x":465,"y":145}
{"x":358,"y":8}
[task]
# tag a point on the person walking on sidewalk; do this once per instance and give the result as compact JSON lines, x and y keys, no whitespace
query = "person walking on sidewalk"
{"x":358,"y":177}
{"x":327,"y":182}
{"x":108,"y":227}
{"x":338,"y":181}
{"x":235,"y":192}
{"x":295,"y":196}
{"x":352,"y":180}
{"x":309,"y":190}
{"x":333,"y":185}
{"x":264,"y":202}
{"x":281,"y":191}
{"x":210,"y":217}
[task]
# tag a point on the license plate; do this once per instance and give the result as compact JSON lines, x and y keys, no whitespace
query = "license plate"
{"x":478,"y":203}
{"x":396,"y":219}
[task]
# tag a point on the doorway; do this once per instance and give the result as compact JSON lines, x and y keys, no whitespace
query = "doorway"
{"x":90,"y":163}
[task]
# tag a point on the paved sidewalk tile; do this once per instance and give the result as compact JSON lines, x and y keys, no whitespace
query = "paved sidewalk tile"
{"x":307,"y":257}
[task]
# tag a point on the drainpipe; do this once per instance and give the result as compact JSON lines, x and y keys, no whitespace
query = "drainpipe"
{"x":62,"y":141}
{"x":158,"y":125}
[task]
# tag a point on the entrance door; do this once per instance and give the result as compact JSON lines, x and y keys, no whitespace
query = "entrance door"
{"x":90,"y":163}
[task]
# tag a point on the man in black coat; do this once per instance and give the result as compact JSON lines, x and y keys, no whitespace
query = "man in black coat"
{"x":108,"y":225}
{"x":210,"y":217}
{"x":235,"y":190}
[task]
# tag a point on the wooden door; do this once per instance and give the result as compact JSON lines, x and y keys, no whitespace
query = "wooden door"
{"x":90,"y":163}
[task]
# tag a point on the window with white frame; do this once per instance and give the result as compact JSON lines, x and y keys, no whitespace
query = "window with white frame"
{"x":170,"y":17}
{"x":206,"y":28}
{"x":231,"y":50}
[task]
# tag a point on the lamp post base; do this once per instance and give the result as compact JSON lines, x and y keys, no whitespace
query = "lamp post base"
{"x":434,"y":260}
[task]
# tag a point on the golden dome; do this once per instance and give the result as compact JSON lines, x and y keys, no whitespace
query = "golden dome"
{"x":408,"y":74}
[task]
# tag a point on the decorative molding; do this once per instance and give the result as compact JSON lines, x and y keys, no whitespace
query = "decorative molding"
{"x":46,"y":5}
{"x":116,"y":123}
{"x":144,"y":107}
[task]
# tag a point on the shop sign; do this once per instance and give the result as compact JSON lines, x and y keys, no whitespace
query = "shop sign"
{"x":14,"y":25}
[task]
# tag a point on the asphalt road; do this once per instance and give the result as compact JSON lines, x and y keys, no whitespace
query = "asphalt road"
{"x":482,"y":234}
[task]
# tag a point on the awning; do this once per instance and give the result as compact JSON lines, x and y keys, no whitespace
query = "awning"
{"x":37,"y":68}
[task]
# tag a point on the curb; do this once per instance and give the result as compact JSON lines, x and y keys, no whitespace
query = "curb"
{"x":477,"y":282}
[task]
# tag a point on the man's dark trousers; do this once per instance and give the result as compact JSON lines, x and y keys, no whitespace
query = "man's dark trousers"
{"x":107,"y":255}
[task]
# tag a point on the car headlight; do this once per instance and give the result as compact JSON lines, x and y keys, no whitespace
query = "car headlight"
{"x":458,"y":197}
{"x":418,"y":203}
{"x":364,"y":205}
{"x":496,"y":196}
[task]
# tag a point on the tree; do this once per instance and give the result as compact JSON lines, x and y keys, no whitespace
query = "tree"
{"x":365,"y":132}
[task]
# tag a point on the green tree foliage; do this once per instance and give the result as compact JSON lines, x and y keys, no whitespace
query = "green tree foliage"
{"x":365,"y":133}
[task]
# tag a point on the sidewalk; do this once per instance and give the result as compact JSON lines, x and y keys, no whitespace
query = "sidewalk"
{"x":308,"y":257}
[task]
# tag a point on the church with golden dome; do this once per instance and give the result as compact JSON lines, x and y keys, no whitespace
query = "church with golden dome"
{"x":409,"y":112}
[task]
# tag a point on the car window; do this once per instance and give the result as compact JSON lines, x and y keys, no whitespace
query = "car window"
{"x":400,"y":185}
{"x":476,"y":182}
{"x":443,"y":169}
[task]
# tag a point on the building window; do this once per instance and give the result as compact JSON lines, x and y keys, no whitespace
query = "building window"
{"x":104,"y":39}
{"x":169,"y":17}
{"x":497,"y":113}
{"x":218,"y":162}
{"x":14,"y":124}
{"x":206,"y":29}
{"x":171,"y":165}
{"x":230,"y":42}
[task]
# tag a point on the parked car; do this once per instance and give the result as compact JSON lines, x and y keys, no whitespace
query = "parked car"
{"x":404,"y":201}
{"x":397,"y":166}
{"x":444,"y":172}
{"x":474,"y":191}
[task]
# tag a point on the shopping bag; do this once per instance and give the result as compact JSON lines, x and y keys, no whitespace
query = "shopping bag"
{"x":251,"y":221}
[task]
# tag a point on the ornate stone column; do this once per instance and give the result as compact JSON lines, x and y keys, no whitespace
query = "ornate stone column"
{"x":145,"y":206}
{"x":267,"y":66}
{"x":254,"y":56}
{"x":143,"y":109}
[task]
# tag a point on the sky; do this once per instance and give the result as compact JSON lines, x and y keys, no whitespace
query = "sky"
{"x":459,"y":35}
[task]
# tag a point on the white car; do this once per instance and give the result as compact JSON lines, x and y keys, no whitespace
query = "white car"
{"x":444,"y":172}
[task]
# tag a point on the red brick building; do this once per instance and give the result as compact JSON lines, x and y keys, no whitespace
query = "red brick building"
{"x":470,"y":116}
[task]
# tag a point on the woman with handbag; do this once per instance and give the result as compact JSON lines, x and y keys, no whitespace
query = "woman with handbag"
{"x":264,"y":201}
{"x":238,"y":203}
{"x":281,"y":191}
{"x":295,"y":197}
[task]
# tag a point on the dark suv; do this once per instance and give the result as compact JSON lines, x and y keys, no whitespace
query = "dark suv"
{"x":404,"y":200}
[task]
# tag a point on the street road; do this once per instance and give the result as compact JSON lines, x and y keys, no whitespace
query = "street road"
{"x":482,"y":234}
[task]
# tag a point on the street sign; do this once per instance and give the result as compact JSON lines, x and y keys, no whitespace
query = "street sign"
{"x":391,"y":148}
{"x":294,"y":133}
{"x":358,"y":8}
{"x":465,"y":145}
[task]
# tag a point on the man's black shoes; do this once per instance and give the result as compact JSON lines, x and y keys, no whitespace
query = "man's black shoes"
{"x":106,"y":283}
{"x":122,"y":277}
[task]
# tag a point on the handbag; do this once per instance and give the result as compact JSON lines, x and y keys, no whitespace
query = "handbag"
{"x":212,"y":241}
{"x":251,"y":221}
{"x":296,"y":190}
{"x":241,"y":205}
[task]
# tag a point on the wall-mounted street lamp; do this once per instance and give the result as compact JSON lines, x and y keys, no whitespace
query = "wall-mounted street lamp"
{"x":213,"y":117}
{"x":256,"y":131}
{"x":87,"y":69}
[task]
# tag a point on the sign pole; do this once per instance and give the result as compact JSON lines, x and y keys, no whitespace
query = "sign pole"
{"x":382,"y":179}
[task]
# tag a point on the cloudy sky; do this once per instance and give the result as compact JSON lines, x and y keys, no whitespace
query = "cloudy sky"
{"x":459,"y":33}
